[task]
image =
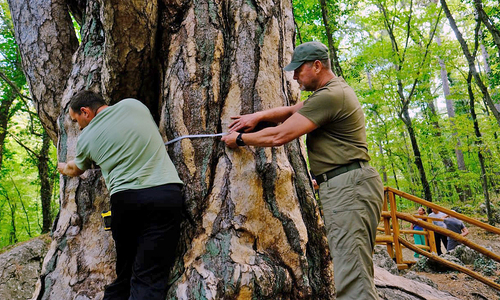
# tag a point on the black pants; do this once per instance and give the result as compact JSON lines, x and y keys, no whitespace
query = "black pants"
{"x":145,"y":227}
{"x":440,"y":239}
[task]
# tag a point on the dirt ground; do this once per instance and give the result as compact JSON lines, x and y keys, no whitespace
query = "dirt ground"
{"x":460,"y":285}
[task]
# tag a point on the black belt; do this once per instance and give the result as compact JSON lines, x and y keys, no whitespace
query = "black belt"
{"x":337,"y":171}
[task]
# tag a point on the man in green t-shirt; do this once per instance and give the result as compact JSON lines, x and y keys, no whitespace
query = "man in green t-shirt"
{"x":146,"y":198}
{"x":350,"y":190}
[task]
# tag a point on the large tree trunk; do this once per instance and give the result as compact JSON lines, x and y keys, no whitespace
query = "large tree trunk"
{"x":253,"y":228}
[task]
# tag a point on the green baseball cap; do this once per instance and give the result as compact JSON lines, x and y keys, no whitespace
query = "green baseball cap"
{"x":309,"y":51}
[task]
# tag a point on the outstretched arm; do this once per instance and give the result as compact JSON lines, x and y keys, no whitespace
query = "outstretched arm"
{"x":465,"y":231}
{"x":294,"y":127}
{"x":69,"y":169}
{"x":275,"y":115}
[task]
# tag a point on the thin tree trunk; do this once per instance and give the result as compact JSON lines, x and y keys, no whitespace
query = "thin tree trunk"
{"x":485,"y":56}
{"x":487,"y":70}
{"x":417,"y":156}
{"x":46,"y":182}
{"x":384,"y":172}
{"x":492,"y":28}
{"x":335,"y":64}
{"x":479,"y":142}
{"x":13,"y":231}
{"x":443,"y":151}
{"x":297,"y":30}
{"x":409,"y":167}
{"x":406,"y":97}
{"x":394,"y":175}
{"x":450,"y":109}
{"x":379,"y":142}
{"x":4,"y":120}
{"x":470,"y":60}
{"x":484,"y":178}
{"x":12,"y":206}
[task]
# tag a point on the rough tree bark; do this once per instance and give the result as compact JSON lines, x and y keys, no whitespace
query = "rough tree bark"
{"x":253,"y":228}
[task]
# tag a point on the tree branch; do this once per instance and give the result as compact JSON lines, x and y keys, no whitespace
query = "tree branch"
{"x":470,"y":60}
{"x":495,"y":33}
{"x":28,"y":149}
{"x":14,"y":87}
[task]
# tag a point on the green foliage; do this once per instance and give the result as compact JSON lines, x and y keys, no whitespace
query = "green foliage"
{"x":373,"y":64}
{"x":20,"y":207}
{"x":309,"y":20}
{"x":485,"y":265}
{"x":20,"y":184}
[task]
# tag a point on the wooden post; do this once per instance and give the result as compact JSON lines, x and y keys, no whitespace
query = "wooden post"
{"x":387,"y":225}
{"x":431,"y":238}
{"x":449,"y":212}
{"x":395,"y":229}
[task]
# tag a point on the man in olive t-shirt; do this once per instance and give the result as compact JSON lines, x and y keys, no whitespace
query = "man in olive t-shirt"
{"x":350,"y":190}
{"x":146,"y":197}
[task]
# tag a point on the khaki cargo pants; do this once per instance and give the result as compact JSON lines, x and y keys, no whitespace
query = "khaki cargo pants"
{"x":352,"y":203}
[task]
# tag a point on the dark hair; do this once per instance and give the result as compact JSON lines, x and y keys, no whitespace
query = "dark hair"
{"x":86,"y":98}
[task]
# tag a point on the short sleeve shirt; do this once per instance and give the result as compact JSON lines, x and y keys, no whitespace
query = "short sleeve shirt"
{"x":456,"y":226}
{"x":124,"y":141}
{"x":341,"y":135}
{"x":439,"y":215}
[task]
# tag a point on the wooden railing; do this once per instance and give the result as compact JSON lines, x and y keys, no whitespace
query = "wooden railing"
{"x":392,"y":234}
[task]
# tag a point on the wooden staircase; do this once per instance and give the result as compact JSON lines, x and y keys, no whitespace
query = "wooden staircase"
{"x":391,"y":234}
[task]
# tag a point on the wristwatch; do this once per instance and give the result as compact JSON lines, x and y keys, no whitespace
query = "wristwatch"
{"x":239,"y":140}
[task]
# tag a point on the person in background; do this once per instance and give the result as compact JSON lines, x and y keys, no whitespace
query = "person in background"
{"x":351,"y":191}
{"x":146,"y":196}
{"x":418,"y":238}
{"x":440,"y":239}
{"x":456,"y":226}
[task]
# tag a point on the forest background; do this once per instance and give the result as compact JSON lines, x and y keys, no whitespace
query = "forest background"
{"x":426,"y":72}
